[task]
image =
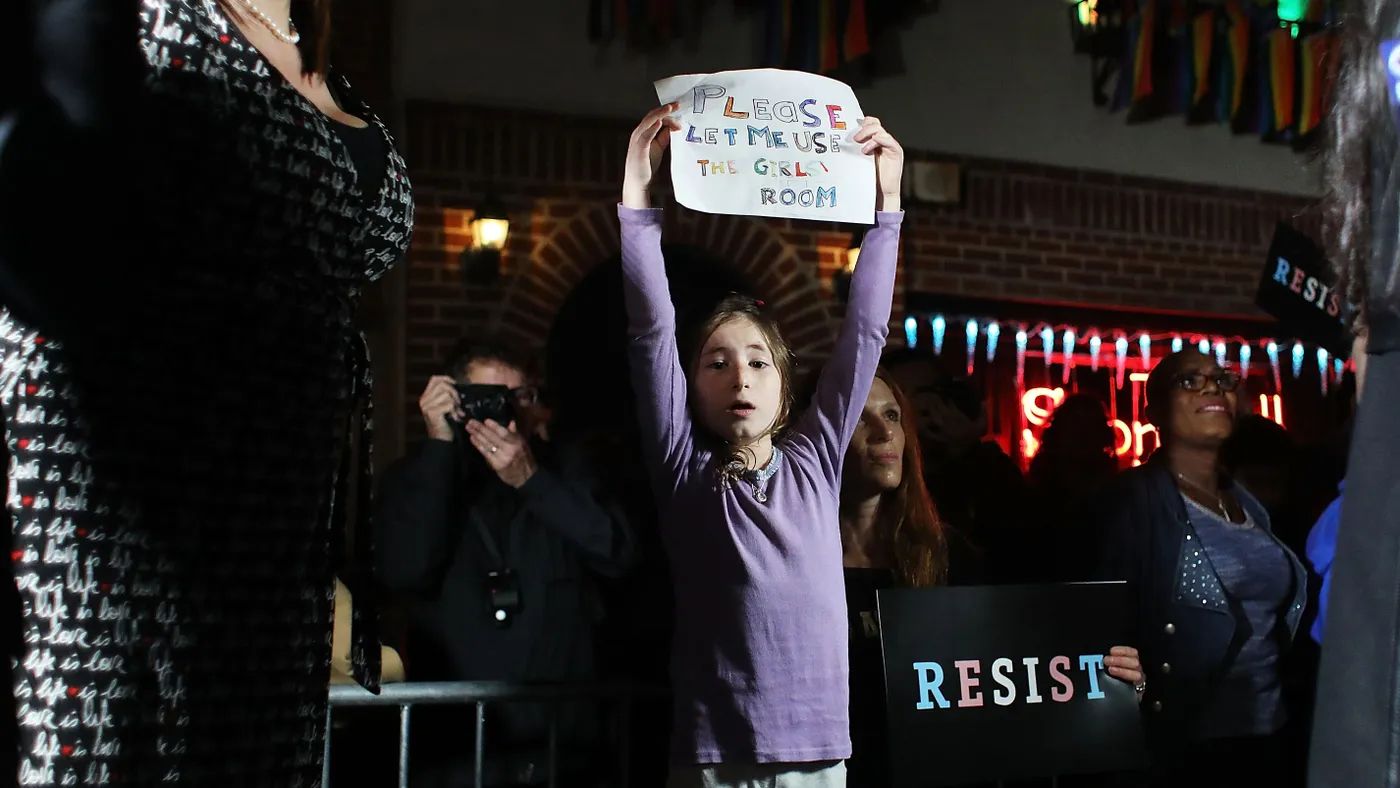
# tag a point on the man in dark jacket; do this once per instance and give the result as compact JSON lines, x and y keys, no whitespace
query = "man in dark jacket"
{"x":492,"y":537}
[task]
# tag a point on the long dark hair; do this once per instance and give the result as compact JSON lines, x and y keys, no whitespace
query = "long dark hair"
{"x":312,"y":19}
{"x":1359,"y":163}
{"x":908,"y":521}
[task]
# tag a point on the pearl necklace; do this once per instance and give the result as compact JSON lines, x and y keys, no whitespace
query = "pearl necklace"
{"x":289,"y":38}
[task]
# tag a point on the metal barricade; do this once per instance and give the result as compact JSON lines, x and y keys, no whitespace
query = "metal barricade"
{"x":481,"y":693}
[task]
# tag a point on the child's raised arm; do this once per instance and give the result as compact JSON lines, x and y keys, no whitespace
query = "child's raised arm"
{"x":657,"y":376}
{"x":846,"y":379}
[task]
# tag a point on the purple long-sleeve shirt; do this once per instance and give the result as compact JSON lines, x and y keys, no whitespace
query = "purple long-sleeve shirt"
{"x":759,"y":662}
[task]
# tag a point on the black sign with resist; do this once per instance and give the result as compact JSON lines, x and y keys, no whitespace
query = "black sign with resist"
{"x":1299,"y":287}
{"x":986,"y":683}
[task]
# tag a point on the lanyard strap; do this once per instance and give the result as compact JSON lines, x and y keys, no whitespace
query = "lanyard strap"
{"x":488,"y":540}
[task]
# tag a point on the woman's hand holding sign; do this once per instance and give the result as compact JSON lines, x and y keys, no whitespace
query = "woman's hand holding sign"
{"x":889,"y":162}
{"x":1123,"y":664}
{"x":644,"y":153}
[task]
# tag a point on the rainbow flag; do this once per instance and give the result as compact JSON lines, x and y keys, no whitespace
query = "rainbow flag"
{"x":1316,"y":12}
{"x":828,"y":47}
{"x":1142,"y":54}
{"x":1280,"y":66}
{"x":856,"y":40}
{"x":1201,"y":108}
{"x":1234,"y":65}
{"x":1317,"y":72}
{"x":1181,"y":51}
{"x":1123,"y":93}
{"x":778,"y":33}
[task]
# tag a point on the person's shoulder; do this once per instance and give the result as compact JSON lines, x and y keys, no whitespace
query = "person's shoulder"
{"x":1322,"y":538}
{"x":1138,"y":476}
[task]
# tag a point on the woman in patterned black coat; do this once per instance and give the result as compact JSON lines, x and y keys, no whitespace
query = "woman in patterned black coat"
{"x":190,"y":204}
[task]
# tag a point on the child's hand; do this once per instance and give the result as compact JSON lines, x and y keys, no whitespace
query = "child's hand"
{"x":889,"y":162}
{"x":649,"y":141}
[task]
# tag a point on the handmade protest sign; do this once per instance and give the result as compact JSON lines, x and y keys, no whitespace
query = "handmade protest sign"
{"x":767,"y":142}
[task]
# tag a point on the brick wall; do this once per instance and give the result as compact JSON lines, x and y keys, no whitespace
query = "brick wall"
{"x":1022,"y":232}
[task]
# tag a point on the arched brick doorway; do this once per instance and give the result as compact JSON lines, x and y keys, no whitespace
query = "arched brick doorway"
{"x":586,"y":353}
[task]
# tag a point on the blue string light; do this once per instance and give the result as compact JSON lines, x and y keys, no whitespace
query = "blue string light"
{"x":1068,"y":363}
{"x":971,"y":344}
{"x":1021,"y":341}
{"x":1329,"y":366}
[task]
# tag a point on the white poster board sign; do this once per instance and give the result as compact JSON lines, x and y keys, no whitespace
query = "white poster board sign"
{"x":767,"y":142}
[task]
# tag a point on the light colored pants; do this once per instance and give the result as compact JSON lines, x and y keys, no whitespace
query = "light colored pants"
{"x":820,"y":774}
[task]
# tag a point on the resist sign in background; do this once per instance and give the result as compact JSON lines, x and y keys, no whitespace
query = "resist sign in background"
{"x":987,"y":683}
{"x":767,"y":142}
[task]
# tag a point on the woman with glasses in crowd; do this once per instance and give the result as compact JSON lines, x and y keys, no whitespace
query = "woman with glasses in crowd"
{"x":1217,"y":596}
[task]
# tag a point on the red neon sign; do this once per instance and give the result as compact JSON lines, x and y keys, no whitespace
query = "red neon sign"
{"x":1038,"y":403}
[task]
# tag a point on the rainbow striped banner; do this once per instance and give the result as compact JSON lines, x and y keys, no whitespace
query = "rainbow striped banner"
{"x":1318,"y":66}
{"x":1202,"y":51}
{"x":1279,"y":113}
{"x":1235,"y":64}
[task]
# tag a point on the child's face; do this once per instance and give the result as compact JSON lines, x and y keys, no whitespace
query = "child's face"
{"x":736,"y":387}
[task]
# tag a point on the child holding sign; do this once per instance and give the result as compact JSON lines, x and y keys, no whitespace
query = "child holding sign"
{"x":749,"y":502}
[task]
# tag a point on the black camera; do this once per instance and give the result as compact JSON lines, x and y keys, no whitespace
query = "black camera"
{"x":481,"y":402}
{"x":503,"y":597}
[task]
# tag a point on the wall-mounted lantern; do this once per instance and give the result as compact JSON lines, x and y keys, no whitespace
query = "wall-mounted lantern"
{"x":490,"y":227}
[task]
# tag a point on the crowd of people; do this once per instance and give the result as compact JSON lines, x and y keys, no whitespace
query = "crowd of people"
{"x":181,"y":506}
{"x":918,"y":497}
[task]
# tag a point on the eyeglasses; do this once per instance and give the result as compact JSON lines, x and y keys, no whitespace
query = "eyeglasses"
{"x":1225,"y":380}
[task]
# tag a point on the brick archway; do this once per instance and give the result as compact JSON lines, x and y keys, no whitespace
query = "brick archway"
{"x":570,"y":239}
